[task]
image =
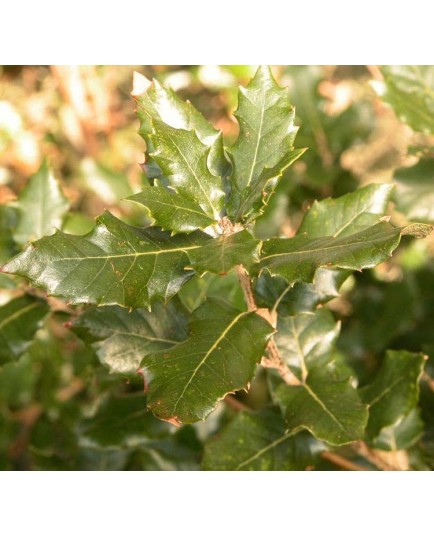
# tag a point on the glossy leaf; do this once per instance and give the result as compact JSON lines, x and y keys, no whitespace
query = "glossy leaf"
{"x":395,"y":391}
{"x":297,"y":259}
{"x":40,"y":207}
{"x":114,"y":264}
{"x":183,"y":159}
{"x":328,"y":407}
{"x":410,"y":91}
{"x":264,"y":148}
{"x":19,"y":320}
{"x":348,"y":214}
{"x":162,"y":104}
{"x":306,"y":341}
{"x":171,"y":211}
{"x":225,"y":252}
{"x":220,"y":356}
{"x":121,"y":338}
{"x":260,"y":442}
{"x":343,"y":216}
{"x":198,"y":289}
{"x":401,"y":435}
{"x":289,"y":299}
{"x":415,"y":191}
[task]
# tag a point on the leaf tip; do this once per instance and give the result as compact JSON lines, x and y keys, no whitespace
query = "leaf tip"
{"x":141,"y":84}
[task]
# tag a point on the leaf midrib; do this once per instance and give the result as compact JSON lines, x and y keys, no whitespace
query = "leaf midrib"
{"x":208,"y":353}
{"x":123,"y":255}
{"x":17,"y":314}
{"x":266,"y":449}
{"x":333,"y":246}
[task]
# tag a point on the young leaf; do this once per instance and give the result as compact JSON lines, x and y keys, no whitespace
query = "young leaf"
{"x":329,"y":407}
{"x":264,"y":148}
{"x":113,"y":264}
{"x":121,"y":338}
{"x":223,"y":253}
{"x":187,"y":381}
{"x":19,"y":320}
{"x":170,"y":210}
{"x":40,"y":207}
{"x":410,"y":92}
{"x":394,"y":392}
{"x":415,"y":191}
{"x":307,"y":340}
{"x":183,"y":159}
{"x":260,"y":442}
{"x":297,"y":259}
{"x":348,"y":214}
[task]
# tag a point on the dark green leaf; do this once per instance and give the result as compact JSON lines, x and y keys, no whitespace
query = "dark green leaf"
{"x":40,"y":207}
{"x":415,"y":191}
{"x":260,"y":442}
{"x":114,"y":264}
{"x":289,"y":299}
{"x":297,"y":259}
{"x":183,"y":159}
{"x":123,"y":421}
{"x":329,"y":407}
{"x":264,"y":148}
{"x":162,"y":104}
{"x":307,"y":340}
{"x":195,"y":291}
{"x":410,"y":92}
{"x":223,"y":253}
{"x":122,"y":338}
{"x":348,"y":214}
{"x":220,"y":356}
{"x":394,"y":392}
{"x":19,"y":320}
{"x":401,"y":435}
{"x":172,"y":211}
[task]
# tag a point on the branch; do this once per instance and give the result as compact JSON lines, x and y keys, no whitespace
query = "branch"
{"x":340,"y":461}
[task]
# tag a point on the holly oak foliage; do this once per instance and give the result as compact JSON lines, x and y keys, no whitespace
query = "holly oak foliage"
{"x":162,"y":302}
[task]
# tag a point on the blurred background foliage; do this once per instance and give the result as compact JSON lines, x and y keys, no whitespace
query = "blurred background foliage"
{"x":59,"y":407}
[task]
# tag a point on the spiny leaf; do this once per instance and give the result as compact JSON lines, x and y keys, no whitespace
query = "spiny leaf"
{"x":289,"y":299}
{"x":162,"y":104}
{"x":19,"y":320}
{"x":327,"y":406}
{"x":409,"y":89}
{"x":40,"y":207}
{"x":415,"y":191}
{"x":348,"y":214}
{"x":122,"y":338}
{"x":223,"y":253}
{"x":183,"y":159}
{"x":297,"y":259}
{"x":307,"y":340}
{"x":113,"y":264}
{"x":395,"y":390}
{"x":260,"y":442}
{"x":170,"y":210}
{"x":187,"y":381}
{"x":264,"y":148}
